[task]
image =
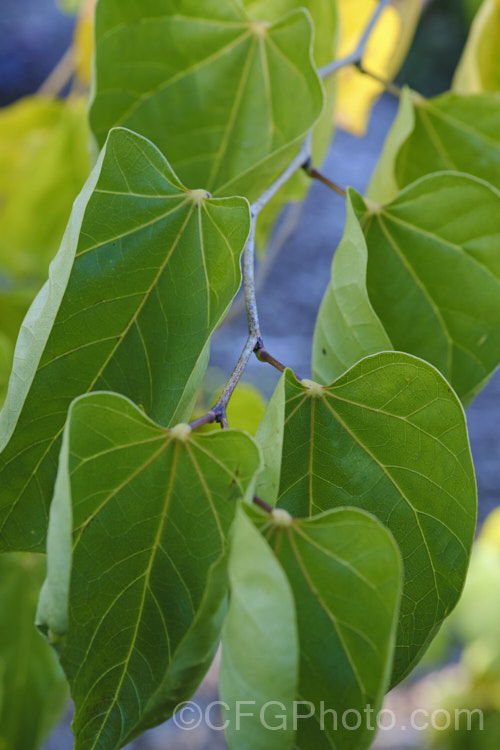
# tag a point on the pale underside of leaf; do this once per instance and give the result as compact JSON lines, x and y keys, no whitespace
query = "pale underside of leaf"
{"x":259,"y":643}
{"x":347,"y":328}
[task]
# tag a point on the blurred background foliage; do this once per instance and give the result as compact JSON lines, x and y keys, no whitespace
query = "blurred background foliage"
{"x":45,"y":53}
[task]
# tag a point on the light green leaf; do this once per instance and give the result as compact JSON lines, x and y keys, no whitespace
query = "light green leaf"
{"x":33,"y":690}
{"x":151,"y":510}
{"x":226,"y":98}
{"x":383,"y":185}
{"x":347,"y":328}
{"x":345,"y":572}
{"x":269,"y":436}
{"x":389,"y":437}
{"x":146,"y":271}
{"x":43,"y":165}
{"x":479,"y":66}
{"x":449,"y":132}
{"x":259,"y":646}
{"x":434,"y":275}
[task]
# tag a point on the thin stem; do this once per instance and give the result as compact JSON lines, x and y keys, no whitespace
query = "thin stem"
{"x":357,"y":55}
{"x":60,"y":76}
{"x":254,"y":342}
{"x":316,"y":175}
{"x":264,"y":356}
{"x":249,"y":285}
{"x":208,"y":418}
{"x":302,"y":157}
{"x":388,"y":85}
{"x":220,"y":407}
{"x":262,"y":504}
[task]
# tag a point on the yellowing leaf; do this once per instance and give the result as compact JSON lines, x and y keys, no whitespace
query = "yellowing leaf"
{"x":83,"y":43}
{"x":479,"y":67}
{"x":490,"y":533}
{"x":43,"y":165}
{"x":384,"y":54}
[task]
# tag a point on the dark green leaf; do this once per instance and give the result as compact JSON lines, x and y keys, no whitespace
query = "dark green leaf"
{"x":226,"y":98}
{"x":345,"y":572}
{"x":390,"y":437}
{"x":434,"y":275}
{"x":150,"y":509}
{"x":146,"y":271}
{"x":433,"y":282}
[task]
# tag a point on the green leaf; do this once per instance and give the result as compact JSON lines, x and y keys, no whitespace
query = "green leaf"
{"x":449,"y":132}
{"x":43,"y":165}
{"x":138,"y":621}
{"x":347,"y":328}
{"x":389,"y":437}
{"x":383,"y":185}
{"x":146,"y":271}
{"x":434,"y":276}
{"x":226,"y":98}
{"x":324,"y":16}
{"x":33,"y":690}
{"x":479,"y":66}
{"x":345,"y":572}
{"x":259,"y":646}
{"x":269,"y":436}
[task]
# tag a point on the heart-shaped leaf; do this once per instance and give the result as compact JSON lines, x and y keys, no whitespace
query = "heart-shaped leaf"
{"x":389,"y":437}
{"x":140,"y":518}
{"x":259,"y":665}
{"x":146,"y":271}
{"x":226,"y":98}
{"x":344,"y":569}
{"x":433,"y":280}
